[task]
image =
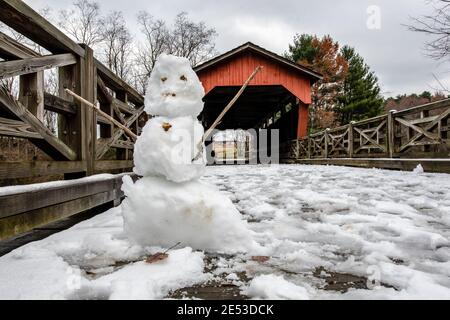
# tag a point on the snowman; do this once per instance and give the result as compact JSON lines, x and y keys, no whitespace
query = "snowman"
{"x":169,"y":204}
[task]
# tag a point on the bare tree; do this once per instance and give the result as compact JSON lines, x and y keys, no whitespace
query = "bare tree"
{"x":117,"y":44}
{"x":83,"y":22}
{"x":436,"y":25}
{"x":194,"y":41}
{"x":156,"y":41}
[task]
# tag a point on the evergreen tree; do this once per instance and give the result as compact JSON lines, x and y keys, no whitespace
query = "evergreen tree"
{"x":302,"y":49}
{"x":360,"y":96}
{"x":323,"y":56}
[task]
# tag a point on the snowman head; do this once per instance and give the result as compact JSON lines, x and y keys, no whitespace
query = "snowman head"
{"x":173,"y":89}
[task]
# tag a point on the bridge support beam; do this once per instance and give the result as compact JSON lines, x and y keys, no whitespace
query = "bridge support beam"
{"x":302,"y":127}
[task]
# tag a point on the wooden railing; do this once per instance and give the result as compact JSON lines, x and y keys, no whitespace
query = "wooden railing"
{"x":77,"y":149}
{"x":419,"y":132}
{"x":27,"y":207}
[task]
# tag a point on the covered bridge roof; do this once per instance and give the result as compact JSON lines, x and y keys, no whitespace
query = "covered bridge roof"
{"x":233,"y":67}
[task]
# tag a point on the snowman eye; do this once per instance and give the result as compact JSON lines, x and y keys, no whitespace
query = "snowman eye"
{"x":163,"y":79}
{"x":183,"y":77}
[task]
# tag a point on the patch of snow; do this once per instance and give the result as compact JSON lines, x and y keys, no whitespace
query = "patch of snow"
{"x":275,"y":287}
{"x":141,"y":280}
{"x":391,"y":225}
{"x":4,"y":191}
{"x":418,"y":169}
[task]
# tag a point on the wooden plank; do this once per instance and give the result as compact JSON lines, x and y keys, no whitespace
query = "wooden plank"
{"x":31,"y":93}
{"x":50,"y":144}
{"x":103,"y":92}
{"x":105,"y":115}
{"x":118,"y":114}
{"x":14,"y":68}
{"x":20,"y":202}
{"x":422,"y":120}
{"x":11,"y":49}
{"x":425,"y":132}
{"x":21,"y":169}
{"x":350,"y":149}
{"x":90,"y":121}
{"x":123,"y":144}
{"x":103,"y":120}
{"x":31,"y":85}
{"x":16,"y":128}
{"x":43,"y":231}
{"x":375,"y":144}
{"x":105,"y":99}
{"x":391,"y":134}
{"x":421,"y":131}
{"x":59,"y":105}
{"x":70,"y":127}
{"x":122,"y":106}
{"x":429,"y":106}
{"x":117,"y":84}
{"x":370,"y":120}
{"x":28,"y":22}
{"x":107,"y":165}
{"x":16,"y":224}
{"x":429,"y":165}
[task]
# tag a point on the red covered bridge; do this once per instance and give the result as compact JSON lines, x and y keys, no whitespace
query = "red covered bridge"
{"x":277,"y":98}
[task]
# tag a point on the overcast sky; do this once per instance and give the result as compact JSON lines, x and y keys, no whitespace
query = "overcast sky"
{"x":394,"y":53}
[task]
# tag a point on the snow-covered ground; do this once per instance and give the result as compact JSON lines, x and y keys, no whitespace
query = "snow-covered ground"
{"x":330,"y":232}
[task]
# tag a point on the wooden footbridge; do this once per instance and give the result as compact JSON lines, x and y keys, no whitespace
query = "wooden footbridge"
{"x":84,"y":144}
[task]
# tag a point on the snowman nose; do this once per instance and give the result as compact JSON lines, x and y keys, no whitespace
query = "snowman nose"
{"x":168,"y":94}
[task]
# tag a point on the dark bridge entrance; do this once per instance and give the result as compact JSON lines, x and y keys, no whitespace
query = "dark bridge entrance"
{"x":277,"y":98}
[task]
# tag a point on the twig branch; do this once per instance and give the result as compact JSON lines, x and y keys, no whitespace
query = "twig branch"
{"x":107,"y":116}
{"x":173,"y":247}
{"x":440,"y":83}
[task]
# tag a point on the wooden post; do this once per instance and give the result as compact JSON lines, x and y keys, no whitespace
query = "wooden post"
{"x":309,"y":147}
{"x":90,"y":120}
{"x":426,"y":114}
{"x":326,"y":142}
{"x":106,"y":129}
{"x":350,"y":139}
{"x":70,"y":127}
{"x":31,"y":93}
{"x":224,"y":151}
{"x":391,"y":133}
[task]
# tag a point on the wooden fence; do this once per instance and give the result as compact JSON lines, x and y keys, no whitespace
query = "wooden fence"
{"x":418,"y":132}
{"x":85,"y":143}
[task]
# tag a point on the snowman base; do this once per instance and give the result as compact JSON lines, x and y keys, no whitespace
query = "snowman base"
{"x":158,"y":212}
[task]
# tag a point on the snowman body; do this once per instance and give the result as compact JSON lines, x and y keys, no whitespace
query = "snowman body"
{"x":169,"y":152}
{"x":169,"y":204}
